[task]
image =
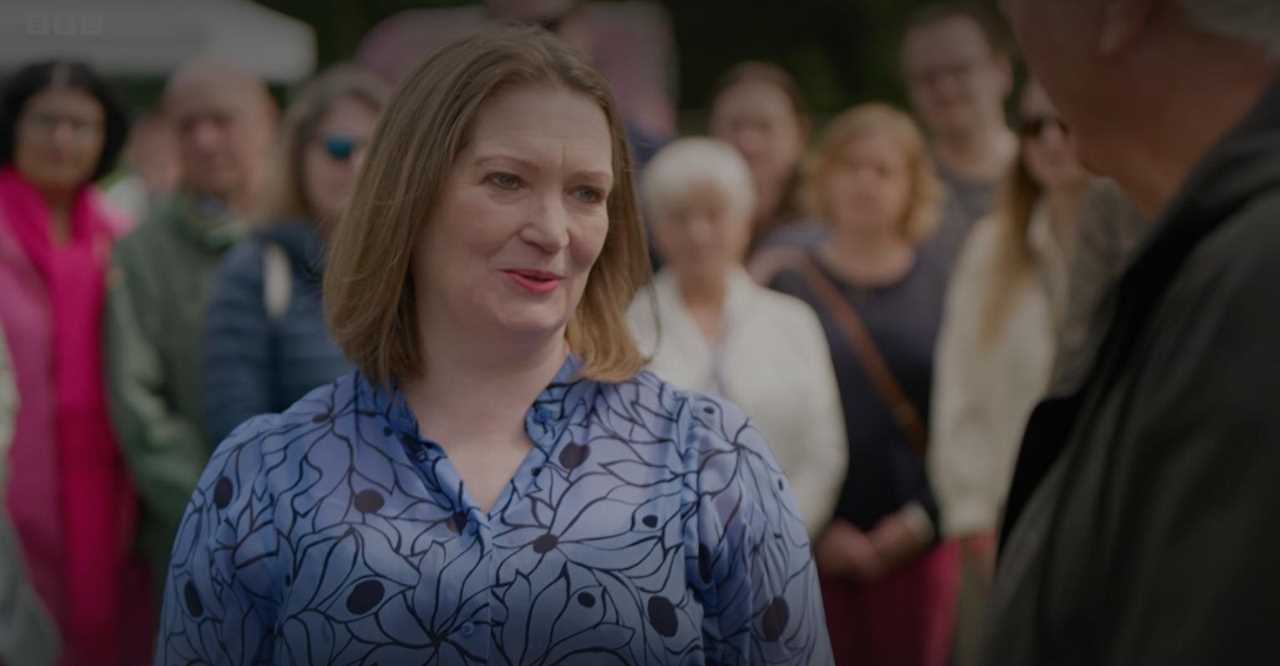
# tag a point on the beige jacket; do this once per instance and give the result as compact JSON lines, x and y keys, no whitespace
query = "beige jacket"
{"x":773,"y":362}
{"x":984,"y":390}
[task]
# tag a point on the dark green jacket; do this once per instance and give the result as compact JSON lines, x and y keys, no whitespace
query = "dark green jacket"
{"x":157,"y":291}
{"x":1140,"y":526}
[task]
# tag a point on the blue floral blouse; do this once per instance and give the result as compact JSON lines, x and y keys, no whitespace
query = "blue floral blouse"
{"x":646,"y":526}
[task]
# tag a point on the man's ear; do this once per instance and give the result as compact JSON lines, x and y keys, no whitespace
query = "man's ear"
{"x":1123,"y":23}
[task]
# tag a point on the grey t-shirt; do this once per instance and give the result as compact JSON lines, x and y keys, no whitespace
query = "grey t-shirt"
{"x":966,"y":202}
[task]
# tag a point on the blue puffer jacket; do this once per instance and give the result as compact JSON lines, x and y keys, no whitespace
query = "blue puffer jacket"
{"x":256,"y":363}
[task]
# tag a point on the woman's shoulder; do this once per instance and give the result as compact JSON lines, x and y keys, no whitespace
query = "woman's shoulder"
{"x":320,"y":407}
{"x":695,"y":419}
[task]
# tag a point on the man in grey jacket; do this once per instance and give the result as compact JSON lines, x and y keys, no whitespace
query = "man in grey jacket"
{"x":1140,"y":523}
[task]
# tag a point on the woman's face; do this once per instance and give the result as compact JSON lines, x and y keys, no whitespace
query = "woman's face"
{"x":59,"y":138}
{"x":759,"y":120}
{"x":1047,"y":146}
{"x":333,"y":154}
{"x":521,"y":219}
{"x":702,"y":234}
{"x":868,"y":185}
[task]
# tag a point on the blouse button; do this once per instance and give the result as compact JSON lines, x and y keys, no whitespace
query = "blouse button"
{"x":542,"y":415}
{"x":467,"y":629}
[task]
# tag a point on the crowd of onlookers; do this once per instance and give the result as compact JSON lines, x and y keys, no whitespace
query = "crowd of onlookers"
{"x":887,"y":296}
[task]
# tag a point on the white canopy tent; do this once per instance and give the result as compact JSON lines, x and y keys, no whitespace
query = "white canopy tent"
{"x":150,"y":38}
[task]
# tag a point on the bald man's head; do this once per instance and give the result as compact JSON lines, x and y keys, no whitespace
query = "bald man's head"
{"x":225,"y":123}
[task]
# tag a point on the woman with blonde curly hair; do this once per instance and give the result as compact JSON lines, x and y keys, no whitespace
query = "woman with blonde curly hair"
{"x":886,"y":582}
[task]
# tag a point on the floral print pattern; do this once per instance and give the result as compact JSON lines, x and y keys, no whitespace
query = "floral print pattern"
{"x":646,"y":526}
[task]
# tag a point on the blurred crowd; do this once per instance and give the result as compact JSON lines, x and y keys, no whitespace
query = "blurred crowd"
{"x":886,"y":294}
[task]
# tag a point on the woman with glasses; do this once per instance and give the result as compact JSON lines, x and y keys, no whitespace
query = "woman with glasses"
{"x":1004,"y":313}
{"x":266,"y":343}
{"x":68,"y":491}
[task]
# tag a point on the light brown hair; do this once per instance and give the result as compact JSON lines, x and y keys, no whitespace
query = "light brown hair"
{"x":368,"y":287}
{"x":286,"y":194}
{"x":925,"y":198}
{"x":1019,"y":193}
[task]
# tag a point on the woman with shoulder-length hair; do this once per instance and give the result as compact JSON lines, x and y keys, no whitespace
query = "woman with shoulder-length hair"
{"x":1004,"y":315}
{"x":266,"y":343}
{"x":886,"y":581}
{"x":497,"y":482}
{"x":70,"y":495}
{"x":758,"y":108}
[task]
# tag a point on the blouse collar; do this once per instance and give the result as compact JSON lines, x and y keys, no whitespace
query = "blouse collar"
{"x":548,"y":412}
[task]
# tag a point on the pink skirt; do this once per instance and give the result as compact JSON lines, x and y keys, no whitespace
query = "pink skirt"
{"x":905,"y":618}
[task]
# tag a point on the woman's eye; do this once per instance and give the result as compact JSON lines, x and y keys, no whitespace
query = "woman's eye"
{"x":588,"y":195}
{"x":504,"y":181}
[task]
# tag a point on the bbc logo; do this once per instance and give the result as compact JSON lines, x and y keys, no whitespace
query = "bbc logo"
{"x":64,"y":24}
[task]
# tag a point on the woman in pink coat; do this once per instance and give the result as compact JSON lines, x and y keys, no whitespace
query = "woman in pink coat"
{"x":69,"y":495}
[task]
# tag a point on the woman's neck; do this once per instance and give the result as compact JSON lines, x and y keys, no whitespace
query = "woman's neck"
{"x":869,"y":257}
{"x":475,"y":393}
{"x":705,"y":299}
{"x":59,"y":203}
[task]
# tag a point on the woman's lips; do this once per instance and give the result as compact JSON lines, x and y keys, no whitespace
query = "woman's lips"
{"x":533,"y":281}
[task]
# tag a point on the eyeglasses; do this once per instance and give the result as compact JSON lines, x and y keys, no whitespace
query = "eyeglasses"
{"x":47,"y":122}
{"x":341,"y":148}
{"x":1033,"y":127}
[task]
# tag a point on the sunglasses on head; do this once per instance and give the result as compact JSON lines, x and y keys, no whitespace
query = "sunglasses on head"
{"x":340,"y":148}
{"x":1033,"y":127}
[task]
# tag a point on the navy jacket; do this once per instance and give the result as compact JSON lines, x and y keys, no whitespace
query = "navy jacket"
{"x":255,"y":363}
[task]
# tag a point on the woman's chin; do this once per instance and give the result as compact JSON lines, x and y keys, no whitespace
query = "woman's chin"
{"x":533,"y":322}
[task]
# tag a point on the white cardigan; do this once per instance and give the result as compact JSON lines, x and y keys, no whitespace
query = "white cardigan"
{"x":984,"y":391}
{"x":773,"y":362}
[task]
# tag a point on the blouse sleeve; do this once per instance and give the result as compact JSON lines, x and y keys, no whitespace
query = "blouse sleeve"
{"x":221,"y":589}
{"x":758,"y":581}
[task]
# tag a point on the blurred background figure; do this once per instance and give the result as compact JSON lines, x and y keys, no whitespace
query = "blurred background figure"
{"x":161,"y":274}
{"x":1004,"y":315}
{"x":70,"y":497}
{"x":710,"y":328}
{"x":27,"y":634}
{"x":630,"y":43}
{"x":757,"y":107}
{"x":959,"y":73}
{"x":266,"y":343}
{"x":886,"y":584}
{"x":151,"y":167}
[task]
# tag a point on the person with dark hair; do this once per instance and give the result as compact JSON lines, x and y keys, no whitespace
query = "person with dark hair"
{"x":161,"y":276}
{"x":499,"y":481}
{"x":958,"y":70}
{"x":757,"y":108}
{"x":69,"y":491}
{"x":265,"y":341}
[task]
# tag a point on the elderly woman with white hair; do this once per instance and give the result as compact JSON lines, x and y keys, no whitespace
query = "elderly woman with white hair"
{"x":709,"y":327}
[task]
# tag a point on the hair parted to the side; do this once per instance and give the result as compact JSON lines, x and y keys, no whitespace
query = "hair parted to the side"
{"x":368,"y":288}
{"x":921,"y":217}
{"x":36,"y":77}
{"x":286,"y":192}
